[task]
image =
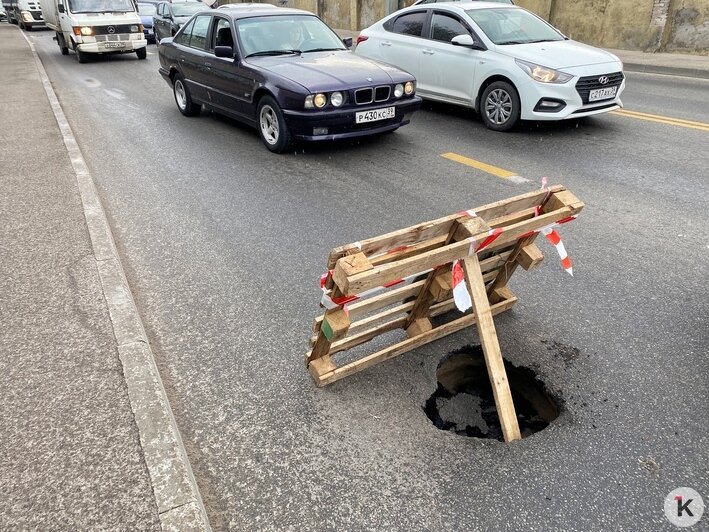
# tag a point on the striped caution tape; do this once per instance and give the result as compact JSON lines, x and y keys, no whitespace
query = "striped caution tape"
{"x":461,"y":295}
{"x":553,"y":237}
{"x":330,"y":302}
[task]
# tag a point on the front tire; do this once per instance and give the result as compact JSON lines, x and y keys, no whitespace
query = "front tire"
{"x":183,"y":98}
{"x":500,"y":106}
{"x":142,"y":53}
{"x":272,"y":126}
{"x":82,"y":57}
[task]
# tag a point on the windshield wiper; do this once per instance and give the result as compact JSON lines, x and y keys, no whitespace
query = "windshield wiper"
{"x":545,"y":40}
{"x":324,"y":49}
{"x":275,"y":52}
{"x":512,"y":42}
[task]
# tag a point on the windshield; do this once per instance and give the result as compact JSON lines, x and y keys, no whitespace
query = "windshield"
{"x":282,"y":34}
{"x":513,"y":26}
{"x":146,"y":9}
{"x":101,"y":6}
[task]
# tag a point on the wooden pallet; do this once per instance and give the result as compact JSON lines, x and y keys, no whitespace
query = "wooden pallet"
{"x":387,"y":272}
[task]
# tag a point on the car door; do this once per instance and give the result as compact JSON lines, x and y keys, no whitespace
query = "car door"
{"x":448,"y":71}
{"x":229,"y":86}
{"x":403,"y":41}
{"x":195,"y":60}
{"x":157,"y":21}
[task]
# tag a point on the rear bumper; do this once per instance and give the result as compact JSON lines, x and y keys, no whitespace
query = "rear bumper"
{"x":340,"y":124}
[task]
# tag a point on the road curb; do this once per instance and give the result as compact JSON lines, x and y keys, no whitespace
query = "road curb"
{"x":666,"y":70}
{"x":177,"y":496}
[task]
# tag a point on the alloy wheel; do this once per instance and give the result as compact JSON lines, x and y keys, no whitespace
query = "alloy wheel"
{"x":269,"y":124}
{"x":498,"y":106}
{"x":180,"y":95}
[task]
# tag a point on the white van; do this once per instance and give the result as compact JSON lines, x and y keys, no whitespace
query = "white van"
{"x":26,"y":13}
{"x":95,"y":27}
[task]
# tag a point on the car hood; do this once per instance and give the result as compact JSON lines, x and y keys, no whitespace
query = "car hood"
{"x":146,"y":20}
{"x":181,"y":20}
{"x":558,"y":54}
{"x":322,"y":71}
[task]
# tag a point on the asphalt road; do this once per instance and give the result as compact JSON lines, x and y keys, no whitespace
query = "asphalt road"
{"x":224,"y":243}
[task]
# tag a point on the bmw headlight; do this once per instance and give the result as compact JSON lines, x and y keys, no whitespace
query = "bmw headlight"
{"x":399,"y":90}
{"x":543,"y":74}
{"x":409,"y":88}
{"x":337,"y":99}
{"x":319,"y":100}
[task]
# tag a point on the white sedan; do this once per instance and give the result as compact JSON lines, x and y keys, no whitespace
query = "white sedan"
{"x":503,"y":61}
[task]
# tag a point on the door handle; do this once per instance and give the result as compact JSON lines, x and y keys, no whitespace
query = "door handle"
{"x":428,"y":52}
{"x":386,"y":43}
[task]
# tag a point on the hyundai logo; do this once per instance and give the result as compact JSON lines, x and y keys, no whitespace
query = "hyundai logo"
{"x":603,"y":80}
{"x":111,"y":29}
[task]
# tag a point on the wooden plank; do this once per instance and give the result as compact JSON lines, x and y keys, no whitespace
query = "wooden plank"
{"x":380,"y":275}
{"x":529,"y":257}
{"x":425,"y":297}
{"x":358,"y":326}
{"x":442,"y":286}
{"x":439,"y":227}
{"x":491,"y":349}
{"x":418,"y":327}
{"x":335,"y":325}
{"x":350,"y":265}
{"x":407,"y":345}
{"x":408,"y":251}
{"x":508,"y":269}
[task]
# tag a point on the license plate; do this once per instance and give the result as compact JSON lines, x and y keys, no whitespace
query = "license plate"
{"x":115,"y":45}
{"x":602,"y":94}
{"x":374,"y":115}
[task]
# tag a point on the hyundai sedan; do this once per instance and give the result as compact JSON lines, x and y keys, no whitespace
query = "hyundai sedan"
{"x":503,"y":61}
{"x":285,"y":72}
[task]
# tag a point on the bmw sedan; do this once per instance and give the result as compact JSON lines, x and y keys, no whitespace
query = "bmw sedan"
{"x":285,"y":72}
{"x":503,"y":61}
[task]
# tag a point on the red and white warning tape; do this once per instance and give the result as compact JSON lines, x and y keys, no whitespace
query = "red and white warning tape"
{"x":332,"y":303}
{"x":461,"y":296}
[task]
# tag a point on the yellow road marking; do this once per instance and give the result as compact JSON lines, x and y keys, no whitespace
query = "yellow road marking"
{"x":701,"y":126}
{"x":494,"y":170}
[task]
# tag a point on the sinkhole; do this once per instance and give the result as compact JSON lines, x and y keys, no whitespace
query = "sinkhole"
{"x":463,"y":402}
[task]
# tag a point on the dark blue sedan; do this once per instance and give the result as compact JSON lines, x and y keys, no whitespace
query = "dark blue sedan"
{"x":285,"y":72}
{"x":146,"y":12}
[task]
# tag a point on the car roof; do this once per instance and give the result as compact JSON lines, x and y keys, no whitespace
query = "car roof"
{"x":255,"y":10}
{"x":465,"y":5}
{"x":248,"y":6}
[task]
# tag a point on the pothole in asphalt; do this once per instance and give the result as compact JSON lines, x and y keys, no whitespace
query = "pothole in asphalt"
{"x":463,"y":402}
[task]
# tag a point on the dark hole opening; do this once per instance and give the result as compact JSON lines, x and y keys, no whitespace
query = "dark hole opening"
{"x":463,"y":402}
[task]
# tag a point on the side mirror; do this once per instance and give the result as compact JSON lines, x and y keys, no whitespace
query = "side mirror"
{"x":347,"y":42}
{"x":466,"y":41}
{"x":60,"y":8}
{"x":224,"y":51}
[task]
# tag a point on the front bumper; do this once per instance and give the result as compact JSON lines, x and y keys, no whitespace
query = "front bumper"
{"x":134,"y":42}
{"x":531,"y":94}
{"x":340,"y":123}
{"x":149,"y":34}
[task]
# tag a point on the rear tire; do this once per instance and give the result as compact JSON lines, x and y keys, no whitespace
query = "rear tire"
{"x":500,"y":106}
{"x":183,"y":98}
{"x":272,"y":126}
{"x":142,"y":53}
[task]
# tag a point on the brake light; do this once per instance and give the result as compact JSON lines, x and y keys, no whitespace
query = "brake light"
{"x":361,"y":38}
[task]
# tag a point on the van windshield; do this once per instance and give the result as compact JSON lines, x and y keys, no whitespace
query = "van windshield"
{"x":101,"y":6}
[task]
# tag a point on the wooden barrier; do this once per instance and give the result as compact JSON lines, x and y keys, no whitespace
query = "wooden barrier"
{"x":402,"y":279}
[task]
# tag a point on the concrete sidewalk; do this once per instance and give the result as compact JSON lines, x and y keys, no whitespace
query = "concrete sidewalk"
{"x":81,"y":445}
{"x":693,"y":66}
